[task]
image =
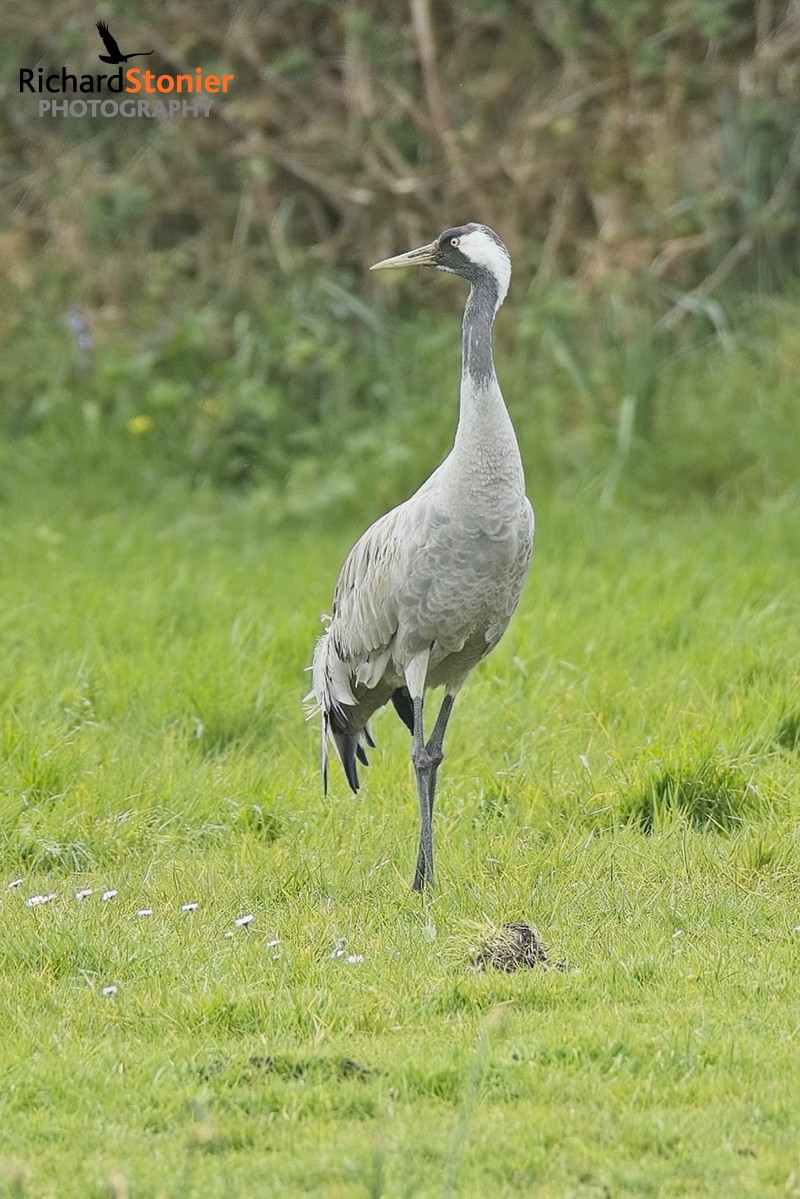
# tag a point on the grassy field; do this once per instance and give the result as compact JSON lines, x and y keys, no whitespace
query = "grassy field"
{"x":622,"y":774}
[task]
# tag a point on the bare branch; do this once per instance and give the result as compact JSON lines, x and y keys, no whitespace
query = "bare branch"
{"x":426,"y":50}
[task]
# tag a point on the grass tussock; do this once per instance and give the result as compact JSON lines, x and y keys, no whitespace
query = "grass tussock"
{"x":712,"y":794}
{"x":787,"y":734}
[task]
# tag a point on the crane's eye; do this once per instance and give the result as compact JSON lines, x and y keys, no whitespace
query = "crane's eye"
{"x":454,"y":241}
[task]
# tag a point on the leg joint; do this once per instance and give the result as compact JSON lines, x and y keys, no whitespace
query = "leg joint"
{"x":421,"y":757}
{"x":435,"y":753}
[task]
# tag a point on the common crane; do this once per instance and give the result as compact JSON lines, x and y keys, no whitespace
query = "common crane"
{"x":429,"y":589}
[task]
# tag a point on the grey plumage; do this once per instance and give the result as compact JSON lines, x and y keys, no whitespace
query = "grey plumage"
{"x":430,"y":587}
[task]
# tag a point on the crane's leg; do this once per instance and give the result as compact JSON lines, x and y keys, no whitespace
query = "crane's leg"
{"x":422,"y":769}
{"x":416,"y":672}
{"x":427,"y":760}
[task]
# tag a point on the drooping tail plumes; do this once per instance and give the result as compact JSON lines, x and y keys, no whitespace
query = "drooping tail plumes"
{"x":331,"y":694}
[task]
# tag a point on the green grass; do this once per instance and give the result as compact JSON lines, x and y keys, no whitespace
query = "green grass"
{"x":622,"y":774}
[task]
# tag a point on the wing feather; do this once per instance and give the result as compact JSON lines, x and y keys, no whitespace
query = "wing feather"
{"x":365,"y":599}
{"x":352,"y":672}
{"x":108,"y":41}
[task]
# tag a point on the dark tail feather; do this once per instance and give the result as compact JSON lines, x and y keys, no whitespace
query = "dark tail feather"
{"x":349,"y":763}
{"x":404,"y":708}
{"x":347,"y":747}
{"x":361,"y":755}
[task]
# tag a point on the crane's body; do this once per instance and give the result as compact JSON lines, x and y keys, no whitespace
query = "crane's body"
{"x":429,"y":589}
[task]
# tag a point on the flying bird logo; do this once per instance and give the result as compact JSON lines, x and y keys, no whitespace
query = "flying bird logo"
{"x":115,"y":55}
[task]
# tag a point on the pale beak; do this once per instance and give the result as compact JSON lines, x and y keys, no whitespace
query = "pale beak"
{"x":424,"y":256}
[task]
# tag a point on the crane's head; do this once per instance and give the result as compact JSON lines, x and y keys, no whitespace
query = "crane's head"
{"x":473,"y":251}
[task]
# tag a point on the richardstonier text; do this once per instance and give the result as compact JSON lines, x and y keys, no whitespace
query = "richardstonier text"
{"x":132,"y":80}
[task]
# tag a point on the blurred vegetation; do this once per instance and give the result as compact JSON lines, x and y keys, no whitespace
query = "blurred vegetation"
{"x":189,"y":296}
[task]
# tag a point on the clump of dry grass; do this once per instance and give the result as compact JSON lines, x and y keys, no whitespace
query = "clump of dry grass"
{"x":513,"y":946}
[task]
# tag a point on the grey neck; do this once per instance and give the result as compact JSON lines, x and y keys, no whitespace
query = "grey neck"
{"x":485,"y":462}
{"x":476,"y":331}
